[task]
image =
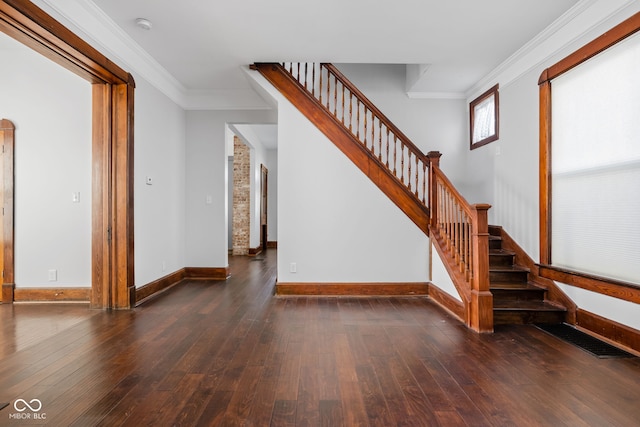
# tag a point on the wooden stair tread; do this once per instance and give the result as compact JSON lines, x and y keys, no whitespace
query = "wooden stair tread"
{"x":525,"y":305}
{"x":508,"y":268}
{"x":500,"y":252}
{"x":516,"y":286}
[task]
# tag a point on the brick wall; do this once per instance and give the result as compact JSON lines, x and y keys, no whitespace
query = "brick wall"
{"x":241,"y":197}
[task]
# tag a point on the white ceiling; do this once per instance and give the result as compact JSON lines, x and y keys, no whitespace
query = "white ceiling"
{"x":203,"y":44}
{"x":448,"y":46}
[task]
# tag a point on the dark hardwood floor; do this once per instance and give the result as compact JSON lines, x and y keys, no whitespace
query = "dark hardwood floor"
{"x":230,"y":353}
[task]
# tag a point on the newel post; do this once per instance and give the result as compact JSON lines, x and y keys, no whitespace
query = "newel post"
{"x":481,"y":304}
{"x":434,"y":160}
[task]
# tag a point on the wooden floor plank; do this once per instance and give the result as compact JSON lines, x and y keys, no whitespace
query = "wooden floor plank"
{"x":231,"y":353}
{"x":284,"y":413}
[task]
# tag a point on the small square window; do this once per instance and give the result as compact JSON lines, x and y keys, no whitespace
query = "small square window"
{"x":484,"y":111}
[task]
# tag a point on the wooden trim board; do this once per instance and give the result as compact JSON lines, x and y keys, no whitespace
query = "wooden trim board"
{"x":353,"y":289}
{"x":52,"y":294}
{"x":612,"y":331}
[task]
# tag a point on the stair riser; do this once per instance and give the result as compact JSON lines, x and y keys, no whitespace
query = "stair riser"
{"x":495,"y":230}
{"x":507,"y":276}
{"x":500,"y":260}
{"x":495,"y":244}
{"x":518,"y":317}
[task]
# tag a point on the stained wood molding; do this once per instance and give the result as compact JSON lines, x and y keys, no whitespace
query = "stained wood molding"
{"x":255,"y":251}
{"x":156,"y":287}
{"x":153,"y":289}
{"x":620,"y":290}
{"x":272,"y":245}
{"x":610,"y":330}
{"x":52,"y":294}
{"x":7,"y":140}
{"x":618,"y":33}
{"x":446,"y":301}
{"x":352,"y":289}
{"x":7,"y":292}
{"x":207,"y":273}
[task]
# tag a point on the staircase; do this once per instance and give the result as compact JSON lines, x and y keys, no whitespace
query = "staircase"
{"x":516,"y":300}
{"x":493,"y":290}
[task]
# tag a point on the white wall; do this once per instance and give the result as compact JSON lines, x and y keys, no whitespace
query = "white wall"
{"x":51,"y":109}
{"x":159,"y":208}
{"x":516,"y":177}
{"x":333,"y":222}
{"x":207,"y":175}
{"x":440,"y":276}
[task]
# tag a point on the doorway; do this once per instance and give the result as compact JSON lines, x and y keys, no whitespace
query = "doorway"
{"x":112,"y":270}
{"x":252,"y":193}
{"x":264,"y":188}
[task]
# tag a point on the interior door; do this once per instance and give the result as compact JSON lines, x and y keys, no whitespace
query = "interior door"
{"x":263,"y":207}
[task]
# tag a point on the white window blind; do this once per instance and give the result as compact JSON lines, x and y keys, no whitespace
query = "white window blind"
{"x":595,"y":169}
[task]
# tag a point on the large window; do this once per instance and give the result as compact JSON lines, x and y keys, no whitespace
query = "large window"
{"x":590,"y":157}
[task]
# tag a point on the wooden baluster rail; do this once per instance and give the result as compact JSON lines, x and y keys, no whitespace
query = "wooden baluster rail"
{"x":367,"y":123}
{"x":464,"y":229}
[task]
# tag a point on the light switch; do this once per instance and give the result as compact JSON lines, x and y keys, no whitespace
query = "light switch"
{"x":75,"y":197}
{"x":209,"y":200}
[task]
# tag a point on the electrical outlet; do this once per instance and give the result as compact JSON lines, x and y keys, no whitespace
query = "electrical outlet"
{"x":293,"y":268}
{"x":53,"y":275}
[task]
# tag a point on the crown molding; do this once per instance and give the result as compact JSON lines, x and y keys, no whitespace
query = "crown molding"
{"x":92,"y":24}
{"x":89,"y":22}
{"x":583,"y":17}
{"x":436,"y":95}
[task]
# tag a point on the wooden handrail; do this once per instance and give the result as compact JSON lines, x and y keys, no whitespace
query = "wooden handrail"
{"x":388,"y":146}
{"x":371,"y":106}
